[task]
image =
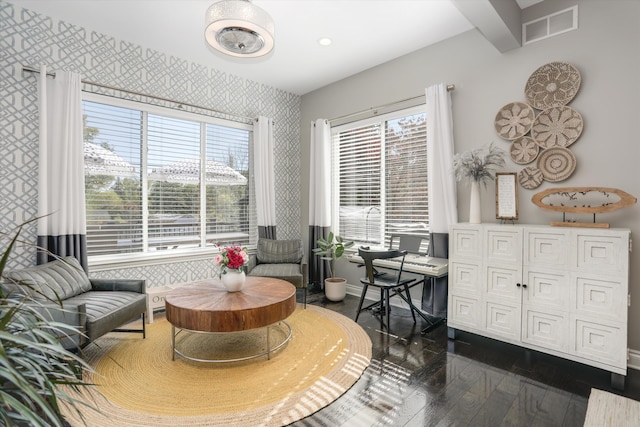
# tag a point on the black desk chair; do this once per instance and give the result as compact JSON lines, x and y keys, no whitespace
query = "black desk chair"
{"x":384,"y":282}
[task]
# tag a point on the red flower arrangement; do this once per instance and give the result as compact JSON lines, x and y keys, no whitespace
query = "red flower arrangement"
{"x":232,"y":257}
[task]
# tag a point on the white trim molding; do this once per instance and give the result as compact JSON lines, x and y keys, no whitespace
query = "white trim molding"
{"x":634,"y":359}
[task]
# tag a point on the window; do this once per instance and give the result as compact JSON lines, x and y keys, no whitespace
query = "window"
{"x":194,"y":193}
{"x":380,"y":177}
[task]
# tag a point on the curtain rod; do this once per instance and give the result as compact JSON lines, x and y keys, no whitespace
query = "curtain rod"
{"x":450,"y":88}
{"x":159,"y":98}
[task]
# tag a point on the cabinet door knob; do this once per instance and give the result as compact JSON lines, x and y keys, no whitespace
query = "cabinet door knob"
{"x":524,"y":286}
{"x":518,"y":284}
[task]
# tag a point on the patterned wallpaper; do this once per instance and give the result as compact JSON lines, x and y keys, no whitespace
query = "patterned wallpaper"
{"x":28,"y":38}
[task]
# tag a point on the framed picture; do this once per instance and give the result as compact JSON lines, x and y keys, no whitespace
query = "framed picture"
{"x":507,"y":195}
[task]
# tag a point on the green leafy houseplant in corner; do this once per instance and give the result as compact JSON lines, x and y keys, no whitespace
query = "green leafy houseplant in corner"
{"x":36,"y":372}
{"x":331,"y":249}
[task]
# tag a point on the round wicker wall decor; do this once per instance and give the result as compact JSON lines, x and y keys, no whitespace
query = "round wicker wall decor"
{"x":556,"y":164}
{"x":514,"y":120}
{"x":524,"y":150}
{"x":530,"y":177}
{"x":552,"y":85}
{"x":557,"y":127}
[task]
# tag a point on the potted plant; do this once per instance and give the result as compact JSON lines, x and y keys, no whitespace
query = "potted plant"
{"x":477,"y":166}
{"x":331,"y":249}
{"x":36,"y":372}
{"x":232,"y":261}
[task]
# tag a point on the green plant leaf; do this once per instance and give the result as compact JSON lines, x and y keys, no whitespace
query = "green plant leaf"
{"x":331,"y":249}
{"x":33,"y":362}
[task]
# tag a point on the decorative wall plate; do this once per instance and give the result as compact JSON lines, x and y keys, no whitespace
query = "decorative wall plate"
{"x":552,"y":85}
{"x":524,"y":150}
{"x":514,"y":120}
{"x":556,"y":164}
{"x":557,"y":127}
{"x":530,"y":177}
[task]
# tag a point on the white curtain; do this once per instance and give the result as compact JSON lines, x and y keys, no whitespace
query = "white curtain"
{"x":62,"y":229}
{"x":443,"y":208}
{"x":320,"y":173}
{"x":264,"y":167}
{"x":319,"y":196}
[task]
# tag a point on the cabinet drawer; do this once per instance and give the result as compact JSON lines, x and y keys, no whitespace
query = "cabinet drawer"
{"x":465,"y":277}
{"x":500,"y":282}
{"x":600,"y":297}
{"x":604,"y":342}
{"x":547,"y":248}
{"x":503,"y":320}
{"x":602,"y":254}
{"x":464,"y":311}
{"x":503,"y":245}
{"x":545,"y":329}
{"x":466,"y":243}
{"x":547,"y":289}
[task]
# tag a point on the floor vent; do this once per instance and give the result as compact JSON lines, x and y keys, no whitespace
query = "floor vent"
{"x":550,"y":25}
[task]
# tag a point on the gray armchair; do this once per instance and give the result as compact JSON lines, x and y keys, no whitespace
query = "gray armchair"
{"x":281,"y":259}
{"x":62,"y":292}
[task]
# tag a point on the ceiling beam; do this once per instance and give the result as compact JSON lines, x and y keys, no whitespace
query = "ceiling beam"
{"x":499,"y":21}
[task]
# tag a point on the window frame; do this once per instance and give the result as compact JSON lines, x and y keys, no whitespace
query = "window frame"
{"x":146,"y":257}
{"x":381,"y":119}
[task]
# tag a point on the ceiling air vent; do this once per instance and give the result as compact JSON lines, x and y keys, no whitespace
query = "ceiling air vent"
{"x":550,"y":25}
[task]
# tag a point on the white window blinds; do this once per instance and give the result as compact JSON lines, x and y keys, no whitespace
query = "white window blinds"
{"x":359,"y":167}
{"x":227,"y":192}
{"x":406,"y":208}
{"x":174,"y":182}
{"x":381,"y":178}
{"x":112,"y":140}
{"x":158,"y":182}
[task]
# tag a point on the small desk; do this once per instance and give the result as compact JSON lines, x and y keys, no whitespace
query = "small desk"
{"x":207,"y":307}
{"x":429,"y":267}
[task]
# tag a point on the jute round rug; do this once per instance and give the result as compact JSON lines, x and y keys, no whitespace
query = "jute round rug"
{"x":138,"y":384}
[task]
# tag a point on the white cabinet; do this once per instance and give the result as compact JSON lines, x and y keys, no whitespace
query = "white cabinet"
{"x":562,"y":291}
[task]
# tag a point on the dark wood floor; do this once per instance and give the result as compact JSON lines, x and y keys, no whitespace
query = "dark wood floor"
{"x":429,"y":380}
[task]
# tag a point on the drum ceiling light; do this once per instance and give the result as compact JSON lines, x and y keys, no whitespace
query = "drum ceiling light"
{"x":239,"y":28}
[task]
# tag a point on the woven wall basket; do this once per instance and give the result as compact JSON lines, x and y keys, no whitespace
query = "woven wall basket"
{"x":530,"y":177}
{"x":514,"y":120}
{"x":556,"y":164}
{"x":524,"y":150}
{"x":557,"y":127}
{"x":552,"y":85}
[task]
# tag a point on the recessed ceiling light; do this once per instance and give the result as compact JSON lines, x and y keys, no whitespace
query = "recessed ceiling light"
{"x":324,"y":41}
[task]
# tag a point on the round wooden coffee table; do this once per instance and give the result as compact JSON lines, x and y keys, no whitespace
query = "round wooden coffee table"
{"x":206,"y":307}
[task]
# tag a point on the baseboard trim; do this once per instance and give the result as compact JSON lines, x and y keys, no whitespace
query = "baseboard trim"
{"x":634,"y":359}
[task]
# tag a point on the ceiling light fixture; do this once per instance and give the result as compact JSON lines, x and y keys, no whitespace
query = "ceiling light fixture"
{"x":239,"y":28}
{"x":324,"y":41}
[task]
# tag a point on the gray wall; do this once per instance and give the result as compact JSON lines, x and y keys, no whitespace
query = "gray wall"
{"x":28,"y":38}
{"x":605,"y":49}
